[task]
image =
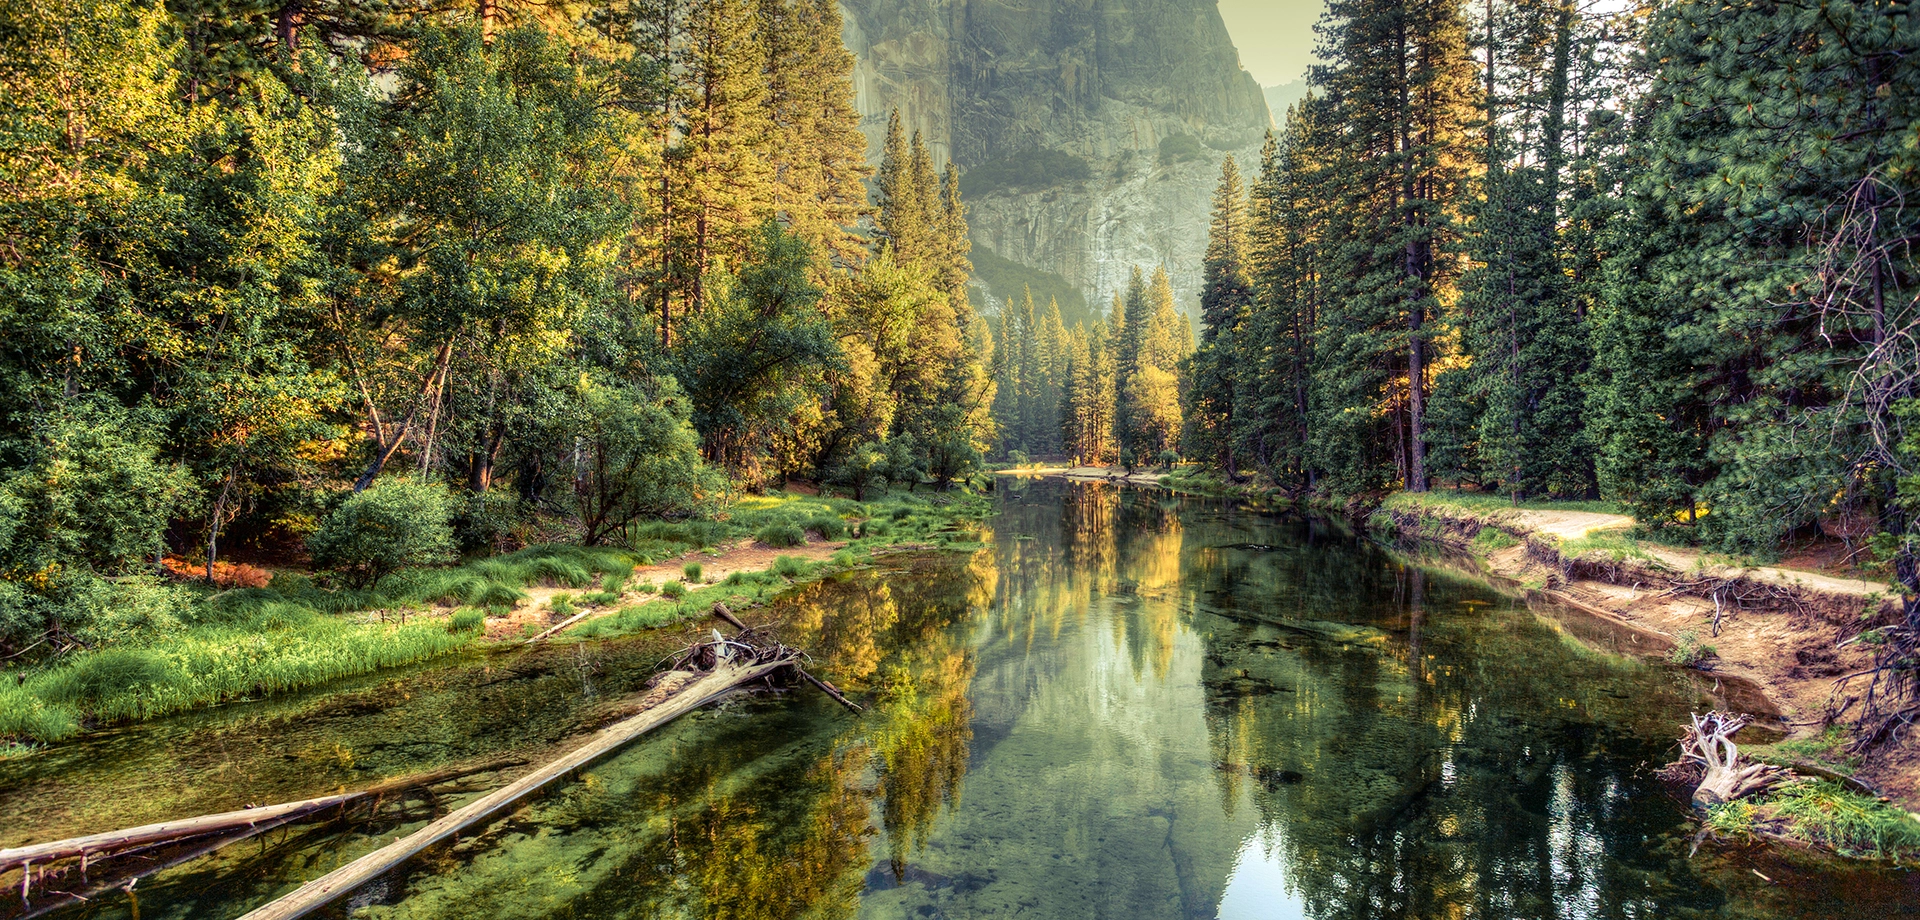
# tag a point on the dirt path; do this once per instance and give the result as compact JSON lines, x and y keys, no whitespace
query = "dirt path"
{"x":742,"y":556}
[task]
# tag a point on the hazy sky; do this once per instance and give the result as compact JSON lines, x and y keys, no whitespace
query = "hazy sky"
{"x":1275,"y":37}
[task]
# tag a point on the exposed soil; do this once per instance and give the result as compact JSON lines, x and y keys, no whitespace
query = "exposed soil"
{"x":742,"y":556}
{"x":1780,"y":629}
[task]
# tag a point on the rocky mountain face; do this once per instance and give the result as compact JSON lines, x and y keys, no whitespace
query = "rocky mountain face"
{"x":1090,"y":131}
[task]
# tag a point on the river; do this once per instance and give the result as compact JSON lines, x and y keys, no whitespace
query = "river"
{"x":1129,"y":704}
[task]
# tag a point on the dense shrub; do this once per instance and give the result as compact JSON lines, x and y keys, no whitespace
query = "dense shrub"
{"x":641,"y":458}
{"x":394,"y":524}
{"x":781,"y":535}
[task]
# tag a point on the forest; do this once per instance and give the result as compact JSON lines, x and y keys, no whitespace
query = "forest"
{"x":390,"y":284}
{"x":362,"y":347}
{"x":1663,"y":257}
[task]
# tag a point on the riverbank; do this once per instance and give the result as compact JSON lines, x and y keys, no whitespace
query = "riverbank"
{"x":252,"y":643}
{"x":1773,"y":638}
{"x":1782,"y":630}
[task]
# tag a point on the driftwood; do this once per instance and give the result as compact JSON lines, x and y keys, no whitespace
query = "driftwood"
{"x":56,"y":860}
{"x":1708,"y":746}
{"x":557,"y":627}
{"x":732,"y":670}
{"x":721,"y":611}
{"x":50,"y":865}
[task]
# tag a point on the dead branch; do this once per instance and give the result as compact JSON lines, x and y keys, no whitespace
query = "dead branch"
{"x":1708,"y":746}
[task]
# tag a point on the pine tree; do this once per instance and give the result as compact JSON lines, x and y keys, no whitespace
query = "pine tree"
{"x":820,"y":160}
{"x":1514,"y":413}
{"x":1225,"y":300}
{"x":1405,"y":91}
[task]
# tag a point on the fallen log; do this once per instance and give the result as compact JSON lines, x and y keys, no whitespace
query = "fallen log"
{"x":106,"y":844}
{"x":164,"y":831}
{"x":563,"y":624}
{"x":728,"y":674}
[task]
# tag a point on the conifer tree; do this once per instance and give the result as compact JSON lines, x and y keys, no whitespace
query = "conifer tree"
{"x":1219,"y":387}
{"x":1406,"y":93}
{"x":820,"y":162}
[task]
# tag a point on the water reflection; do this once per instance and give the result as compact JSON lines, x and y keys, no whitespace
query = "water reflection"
{"x":1128,"y":705}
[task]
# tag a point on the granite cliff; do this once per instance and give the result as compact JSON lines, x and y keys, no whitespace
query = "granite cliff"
{"x":1090,"y":131}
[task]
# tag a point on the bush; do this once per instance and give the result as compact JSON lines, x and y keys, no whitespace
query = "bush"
{"x":789,"y":567}
{"x":488,"y":521}
{"x":466,"y":619}
{"x":693,"y":571}
{"x":562,"y":606}
{"x":1168,"y":458}
{"x":673,"y":589}
{"x":393,"y":525}
{"x":827,"y":526}
{"x":642,"y":459}
{"x":1688,"y":649}
{"x":781,"y":535}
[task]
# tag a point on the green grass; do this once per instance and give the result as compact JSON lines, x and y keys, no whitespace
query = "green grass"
{"x":781,"y":535}
{"x":1493,"y":540}
{"x":1616,"y":545}
{"x":213,"y":664}
{"x":1688,"y":650}
{"x":692,"y":571}
{"x":1851,"y":823}
{"x":294,"y":633}
{"x":1832,"y":749}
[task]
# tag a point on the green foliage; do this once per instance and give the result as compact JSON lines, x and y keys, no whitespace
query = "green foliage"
{"x":562,"y":606}
{"x":756,"y":353}
{"x":1850,"y":822}
{"x":1493,"y":539}
{"x":1688,"y":650}
{"x":1006,"y":280}
{"x":673,"y":590}
{"x":639,"y":458}
{"x":789,"y":567}
{"x":1033,"y":169}
{"x":467,"y":619}
{"x":781,"y":535}
{"x":1732,"y":819}
{"x":396,"y":524}
{"x":692,"y":571}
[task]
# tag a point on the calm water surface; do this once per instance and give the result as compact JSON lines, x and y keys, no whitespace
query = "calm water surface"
{"x":1129,"y":705}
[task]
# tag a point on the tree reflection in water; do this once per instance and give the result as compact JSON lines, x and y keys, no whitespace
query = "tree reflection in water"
{"x":1145,"y":699}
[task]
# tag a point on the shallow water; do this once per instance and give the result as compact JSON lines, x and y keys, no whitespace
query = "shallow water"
{"x":1129,"y":705}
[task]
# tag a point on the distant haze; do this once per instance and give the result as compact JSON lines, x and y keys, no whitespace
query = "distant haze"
{"x":1275,"y":37}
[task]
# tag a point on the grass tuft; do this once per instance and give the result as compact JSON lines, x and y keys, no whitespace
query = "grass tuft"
{"x":1851,"y":823}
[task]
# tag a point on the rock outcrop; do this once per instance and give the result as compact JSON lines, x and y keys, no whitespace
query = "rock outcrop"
{"x":1090,"y":130}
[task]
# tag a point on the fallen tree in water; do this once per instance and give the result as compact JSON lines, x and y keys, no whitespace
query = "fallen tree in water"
{"x":699,"y":674}
{"x":114,"y":859}
{"x":63,"y":872}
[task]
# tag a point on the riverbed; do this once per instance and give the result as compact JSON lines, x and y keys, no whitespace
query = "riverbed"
{"x":1129,"y":704}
